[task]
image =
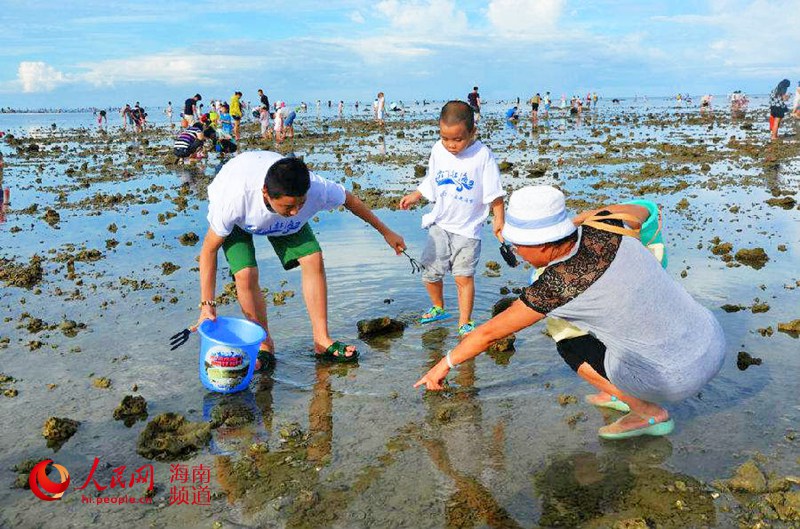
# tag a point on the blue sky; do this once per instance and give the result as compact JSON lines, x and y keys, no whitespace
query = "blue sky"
{"x":105,"y":53}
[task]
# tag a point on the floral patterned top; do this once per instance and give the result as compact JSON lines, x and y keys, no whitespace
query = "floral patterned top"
{"x":776,"y":99}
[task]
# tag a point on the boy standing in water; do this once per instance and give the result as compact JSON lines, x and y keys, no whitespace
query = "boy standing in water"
{"x":463,"y":181}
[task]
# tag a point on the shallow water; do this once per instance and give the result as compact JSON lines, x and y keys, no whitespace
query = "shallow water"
{"x":498,"y":450}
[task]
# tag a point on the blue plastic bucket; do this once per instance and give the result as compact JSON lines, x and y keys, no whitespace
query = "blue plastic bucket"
{"x":228,"y":353}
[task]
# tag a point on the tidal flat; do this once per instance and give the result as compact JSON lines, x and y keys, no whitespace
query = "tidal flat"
{"x":98,"y":269}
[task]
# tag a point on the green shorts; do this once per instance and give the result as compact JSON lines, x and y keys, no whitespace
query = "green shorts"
{"x":241,"y":253}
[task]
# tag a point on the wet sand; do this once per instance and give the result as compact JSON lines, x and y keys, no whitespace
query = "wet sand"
{"x":98,"y":269}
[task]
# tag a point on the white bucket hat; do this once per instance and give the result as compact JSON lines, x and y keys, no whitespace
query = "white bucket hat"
{"x":536,"y":215}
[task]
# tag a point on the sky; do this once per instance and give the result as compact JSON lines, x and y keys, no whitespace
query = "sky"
{"x":104,"y":53}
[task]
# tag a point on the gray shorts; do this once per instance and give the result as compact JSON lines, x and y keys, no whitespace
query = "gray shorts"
{"x":448,"y":252}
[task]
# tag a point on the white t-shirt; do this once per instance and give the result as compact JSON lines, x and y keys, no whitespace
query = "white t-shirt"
{"x":462,"y":188}
{"x":235,"y":198}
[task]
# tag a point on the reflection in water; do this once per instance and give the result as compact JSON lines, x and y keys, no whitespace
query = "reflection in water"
{"x":381,"y":145}
{"x":320,"y":417}
{"x":235,"y":419}
{"x":511,"y":127}
{"x":5,"y":193}
{"x":454,"y":444}
{"x":472,"y":503}
{"x":286,"y":478}
{"x":5,"y":199}
{"x":195,"y":182}
{"x":600,"y":490}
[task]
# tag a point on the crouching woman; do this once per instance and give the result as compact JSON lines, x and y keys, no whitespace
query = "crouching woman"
{"x":649,"y":342}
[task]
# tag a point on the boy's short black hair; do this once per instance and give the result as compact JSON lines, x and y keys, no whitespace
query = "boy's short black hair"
{"x":198,"y":97}
{"x":458,"y":112}
{"x":288,"y":177}
{"x":475,"y":88}
{"x":210,"y":133}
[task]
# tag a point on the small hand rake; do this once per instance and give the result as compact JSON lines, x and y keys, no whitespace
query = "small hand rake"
{"x":415,"y":265}
{"x":180,"y":338}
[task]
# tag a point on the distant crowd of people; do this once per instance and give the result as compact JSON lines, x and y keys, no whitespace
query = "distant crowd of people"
{"x":221,"y":124}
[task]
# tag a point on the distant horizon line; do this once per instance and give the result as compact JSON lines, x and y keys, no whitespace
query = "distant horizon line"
{"x":54,"y":110}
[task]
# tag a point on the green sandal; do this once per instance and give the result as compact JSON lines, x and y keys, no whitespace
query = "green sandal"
{"x":653,"y":428}
{"x":613,"y":404}
{"x":337,"y":352}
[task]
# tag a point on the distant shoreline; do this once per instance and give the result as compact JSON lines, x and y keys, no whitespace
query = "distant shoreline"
{"x":8,"y":110}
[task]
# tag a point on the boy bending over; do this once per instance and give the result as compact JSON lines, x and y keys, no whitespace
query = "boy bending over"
{"x":262,"y":193}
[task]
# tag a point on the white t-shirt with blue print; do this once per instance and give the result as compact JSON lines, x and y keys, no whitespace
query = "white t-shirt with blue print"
{"x":461,"y":187}
{"x":235,"y":198}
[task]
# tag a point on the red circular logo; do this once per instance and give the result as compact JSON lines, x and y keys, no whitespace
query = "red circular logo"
{"x":39,"y":481}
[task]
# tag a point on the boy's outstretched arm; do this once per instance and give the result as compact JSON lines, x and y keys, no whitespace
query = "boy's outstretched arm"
{"x":499,"y":220}
{"x":410,"y":199}
{"x":208,"y":274}
{"x":360,"y":210}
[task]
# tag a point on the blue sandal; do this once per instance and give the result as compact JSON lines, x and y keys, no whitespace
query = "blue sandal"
{"x":466,"y":328}
{"x":653,"y":428}
{"x":434,"y":314}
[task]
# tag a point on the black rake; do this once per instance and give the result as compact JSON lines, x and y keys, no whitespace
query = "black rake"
{"x":180,"y":338}
{"x":415,"y":265}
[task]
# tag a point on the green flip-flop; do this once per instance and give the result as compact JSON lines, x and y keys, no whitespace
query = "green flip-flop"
{"x":613,"y":404}
{"x":337,"y":352}
{"x":653,"y":428}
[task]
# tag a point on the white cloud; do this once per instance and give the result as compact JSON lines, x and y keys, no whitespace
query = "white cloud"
{"x":433,"y":18}
{"x":356,"y":17}
{"x":526,"y":18}
{"x":172,"y":68}
{"x":380,"y":50}
{"x":415,"y":29}
{"x":738,"y":45}
{"x":37,"y":76}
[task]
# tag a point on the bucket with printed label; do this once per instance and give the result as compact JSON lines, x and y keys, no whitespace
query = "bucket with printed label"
{"x":228,"y":353}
